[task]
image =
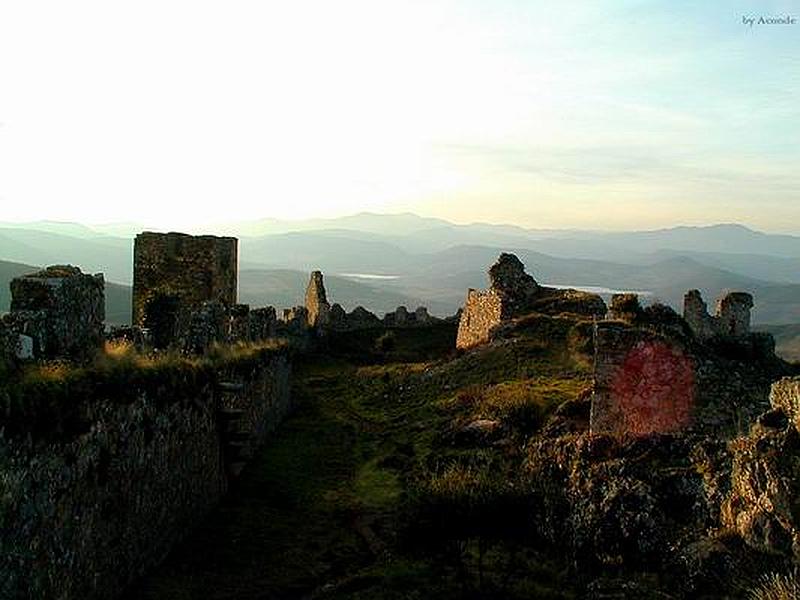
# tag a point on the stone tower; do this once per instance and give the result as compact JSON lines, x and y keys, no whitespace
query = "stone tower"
{"x":176,"y":273}
{"x":317,"y":301}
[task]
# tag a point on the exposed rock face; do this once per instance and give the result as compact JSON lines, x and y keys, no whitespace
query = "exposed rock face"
{"x":643,"y":383}
{"x":514,"y":293}
{"x":61,"y":309}
{"x":732,"y":318}
{"x":317,"y":302}
{"x":765,"y":477}
{"x":613,"y":504}
{"x":508,"y":278}
{"x":421,"y":316}
{"x":785,"y":396}
{"x":184,"y":271}
{"x":239,"y":329}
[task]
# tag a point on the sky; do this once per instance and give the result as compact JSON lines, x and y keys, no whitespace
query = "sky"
{"x":610,"y":114}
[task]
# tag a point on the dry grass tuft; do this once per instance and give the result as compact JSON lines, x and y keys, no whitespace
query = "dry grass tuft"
{"x":775,"y":586}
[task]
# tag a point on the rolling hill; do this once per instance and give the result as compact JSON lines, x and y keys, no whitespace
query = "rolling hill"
{"x":433,"y":262}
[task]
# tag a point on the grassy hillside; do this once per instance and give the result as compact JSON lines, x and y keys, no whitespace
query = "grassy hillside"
{"x":376,"y":488}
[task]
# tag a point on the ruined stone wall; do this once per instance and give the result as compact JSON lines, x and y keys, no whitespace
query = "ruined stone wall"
{"x":193,"y":269}
{"x":732,"y":317}
{"x":624,"y":307}
{"x":262,"y":393}
{"x":61,"y":309}
{"x":483,"y":311}
{"x":733,"y":313}
{"x":643,"y":383}
{"x":317,"y":302}
{"x":83,"y":516}
{"x":514,"y":293}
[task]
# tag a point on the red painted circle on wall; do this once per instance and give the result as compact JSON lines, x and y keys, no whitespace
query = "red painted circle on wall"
{"x":654,"y":388}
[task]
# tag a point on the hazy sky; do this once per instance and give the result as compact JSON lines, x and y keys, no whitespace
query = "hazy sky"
{"x":604,"y":114}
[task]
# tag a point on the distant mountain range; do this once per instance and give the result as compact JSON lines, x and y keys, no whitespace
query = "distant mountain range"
{"x":432,"y":262}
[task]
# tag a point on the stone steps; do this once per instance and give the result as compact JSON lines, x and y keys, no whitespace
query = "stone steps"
{"x":234,"y":437}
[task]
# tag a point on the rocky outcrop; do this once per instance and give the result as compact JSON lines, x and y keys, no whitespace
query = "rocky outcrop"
{"x":765,"y":477}
{"x":508,"y":278}
{"x":614,"y":504}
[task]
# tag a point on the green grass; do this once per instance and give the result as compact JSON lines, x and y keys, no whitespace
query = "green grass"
{"x":361,"y":495}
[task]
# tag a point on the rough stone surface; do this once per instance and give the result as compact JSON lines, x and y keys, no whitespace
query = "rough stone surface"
{"x":239,"y":328}
{"x":733,"y":312}
{"x":508,"y":278}
{"x":317,"y":302}
{"x":765,"y":485}
{"x":84,"y":516}
{"x":643,"y":383}
{"x":263,"y":323}
{"x":483,"y":312}
{"x":294,"y":324}
{"x":625,"y":307}
{"x":208,"y":323}
{"x":732,"y":318}
{"x":184,"y":270}
{"x":785,"y":396}
{"x":611,"y":503}
{"x":61,"y":309}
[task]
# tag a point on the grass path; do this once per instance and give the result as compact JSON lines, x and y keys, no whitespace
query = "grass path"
{"x":302,"y":518}
{"x":321,"y":510}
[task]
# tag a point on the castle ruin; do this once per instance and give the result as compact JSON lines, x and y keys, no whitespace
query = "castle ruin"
{"x":513,"y":292}
{"x":731,"y":319}
{"x":58,"y":312}
{"x":193,"y":269}
{"x":317,"y":302}
{"x":175,"y":273}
